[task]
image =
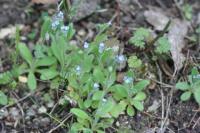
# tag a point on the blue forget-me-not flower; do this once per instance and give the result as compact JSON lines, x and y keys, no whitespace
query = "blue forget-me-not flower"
{"x":56,"y":19}
{"x":101,"y":47}
{"x":127,"y":79}
{"x":64,"y":29}
{"x":86,"y":45}
{"x":120,"y":59}
{"x":55,"y":24}
{"x":78,"y":70}
{"x":60,"y":15}
{"x":96,"y":86}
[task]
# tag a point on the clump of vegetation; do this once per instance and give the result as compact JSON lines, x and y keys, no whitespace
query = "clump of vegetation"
{"x":89,"y":71}
{"x":190,"y":88}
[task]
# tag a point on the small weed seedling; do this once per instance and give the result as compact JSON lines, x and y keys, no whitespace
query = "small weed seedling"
{"x":191,"y":88}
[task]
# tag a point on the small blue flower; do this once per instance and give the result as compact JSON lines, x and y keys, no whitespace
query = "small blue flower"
{"x":64,"y":29}
{"x":60,"y":15}
{"x":55,"y":24}
{"x":101,"y":47}
{"x":96,"y":86}
{"x":104,"y":100}
{"x":196,"y":76}
{"x":86,"y":45}
{"x":120,"y":59}
{"x":109,"y":23}
{"x":78,"y":70}
{"x":128,"y":80}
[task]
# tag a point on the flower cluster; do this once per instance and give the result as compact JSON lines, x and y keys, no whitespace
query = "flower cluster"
{"x":58,"y":21}
{"x":196,"y":76}
{"x":64,"y":29}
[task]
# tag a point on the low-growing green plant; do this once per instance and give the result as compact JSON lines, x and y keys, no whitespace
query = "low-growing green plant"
{"x":190,"y":88}
{"x":89,"y":71}
{"x":187,"y":11}
{"x":142,"y":39}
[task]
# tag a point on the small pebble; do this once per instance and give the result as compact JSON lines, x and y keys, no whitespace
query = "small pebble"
{"x":81,"y":32}
{"x":30,"y":112}
{"x":3,"y":113}
{"x":50,"y":104}
{"x":45,"y":121}
{"x":14,"y":112}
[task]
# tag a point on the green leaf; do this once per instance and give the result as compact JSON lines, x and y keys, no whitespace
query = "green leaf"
{"x":187,"y":10}
{"x":186,"y":96}
{"x":105,"y":108}
{"x":71,"y":31}
{"x":87,"y":63}
{"x":3,"y":99}
{"x":87,"y":103}
{"x":182,"y":86}
{"x":130,"y":110}
{"x":58,"y":49}
{"x":134,"y":62}
{"x":47,"y":74}
{"x":98,"y":75}
{"x":197,"y":94}
{"x":140,"y":85}
{"x":138,"y":105}
{"x":139,"y":37}
{"x":100,"y":38}
{"x":98,"y":95}
{"x":80,"y":113}
{"x":5,"y":78}
{"x":140,"y":96}
{"x":25,"y":53}
{"x":118,"y":109}
{"x":76,"y":127}
{"x":32,"y":81}
{"x":119,"y":91}
{"x":163,"y":45}
{"x":45,"y":27}
{"x":46,"y":61}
